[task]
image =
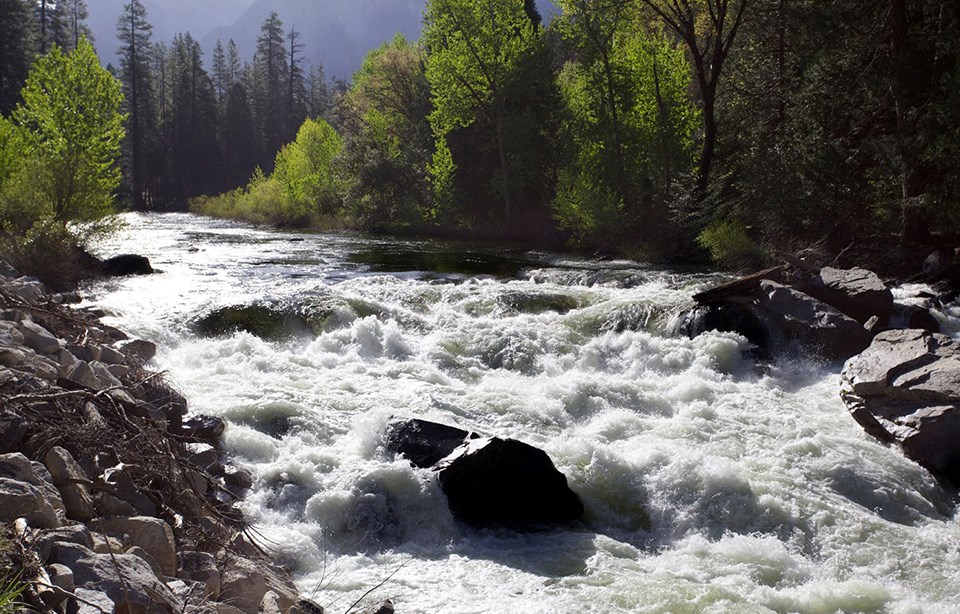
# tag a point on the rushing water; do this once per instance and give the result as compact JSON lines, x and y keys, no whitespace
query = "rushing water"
{"x":710,"y":484}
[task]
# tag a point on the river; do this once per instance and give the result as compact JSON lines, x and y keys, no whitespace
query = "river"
{"x":710,"y":483}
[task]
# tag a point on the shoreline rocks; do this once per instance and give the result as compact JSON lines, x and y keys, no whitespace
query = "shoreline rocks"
{"x":110,"y":498}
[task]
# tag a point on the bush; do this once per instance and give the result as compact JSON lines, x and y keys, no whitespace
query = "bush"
{"x":730,"y":245}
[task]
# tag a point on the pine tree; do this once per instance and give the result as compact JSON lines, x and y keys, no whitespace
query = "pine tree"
{"x":221,"y":80}
{"x":296,"y":91}
{"x":75,"y":14}
{"x":16,"y":51}
{"x":133,"y":31}
{"x":270,"y":68}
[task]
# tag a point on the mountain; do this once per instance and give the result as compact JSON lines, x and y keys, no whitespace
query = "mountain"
{"x":336,"y":33}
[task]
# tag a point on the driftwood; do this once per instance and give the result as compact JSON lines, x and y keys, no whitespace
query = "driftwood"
{"x":739,"y":287}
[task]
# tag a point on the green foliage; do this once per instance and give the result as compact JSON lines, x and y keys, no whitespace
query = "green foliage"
{"x":729,"y":244}
{"x":70,"y":131}
{"x":305,"y":168}
{"x":389,"y":144}
{"x":629,"y":121}
{"x":302,"y":191}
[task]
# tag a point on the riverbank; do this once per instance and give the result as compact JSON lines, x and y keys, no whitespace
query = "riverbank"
{"x":113,"y":497}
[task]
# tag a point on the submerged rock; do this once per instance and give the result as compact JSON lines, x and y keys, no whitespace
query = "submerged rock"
{"x":264,"y":322}
{"x":905,"y":389}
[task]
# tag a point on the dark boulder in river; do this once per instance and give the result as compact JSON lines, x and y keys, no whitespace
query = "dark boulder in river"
{"x":905,"y":389}
{"x":126,"y":264}
{"x":489,"y":481}
{"x":259,"y":320}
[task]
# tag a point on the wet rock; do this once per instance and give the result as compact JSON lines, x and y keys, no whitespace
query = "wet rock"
{"x":203,"y":427}
{"x":152,"y":534}
{"x":236,"y":477}
{"x":915,"y":316}
{"x":142,"y":351}
{"x":503,"y":482}
{"x":307,"y":607}
{"x":202,"y":455}
{"x":424,"y":443}
{"x":905,"y":389}
{"x":743,"y":318}
{"x":259,"y":320}
{"x":72,"y":483}
{"x":126,"y":264}
{"x":386,"y":608}
{"x":818,"y":328}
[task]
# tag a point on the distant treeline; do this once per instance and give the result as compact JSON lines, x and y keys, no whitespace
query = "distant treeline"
{"x":648,"y":126}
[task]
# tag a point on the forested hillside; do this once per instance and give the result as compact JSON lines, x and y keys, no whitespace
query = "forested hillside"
{"x":664,"y":129}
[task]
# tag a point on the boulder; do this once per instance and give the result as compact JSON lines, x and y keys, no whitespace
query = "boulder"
{"x":72,"y":482}
{"x":818,"y":328}
{"x":260,"y":320}
{"x":142,"y":351}
{"x":857,"y":293}
{"x":39,"y":339}
{"x":424,"y":443}
{"x":126,"y":264}
{"x":243,"y":584}
{"x":152,"y":534}
{"x":201,"y":567}
{"x":490,"y":481}
{"x":203,"y":427}
{"x":13,"y":430}
{"x":30,"y":481}
{"x":905,"y":389}
{"x":126,"y":579}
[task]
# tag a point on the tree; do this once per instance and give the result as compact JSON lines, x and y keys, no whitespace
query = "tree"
{"x":71,"y":116}
{"x":708,"y":28}
{"x":296,"y":91}
{"x":305,"y":169}
{"x":52,"y":24}
{"x":269,"y":79}
{"x":15,"y":51}
{"x":133,"y":30}
{"x":221,"y":78}
{"x":473,"y":45}
{"x":76,"y":13}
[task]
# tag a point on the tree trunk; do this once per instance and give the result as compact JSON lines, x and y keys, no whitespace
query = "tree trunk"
{"x":709,"y":143}
{"x":625,"y":192}
{"x":504,"y":164}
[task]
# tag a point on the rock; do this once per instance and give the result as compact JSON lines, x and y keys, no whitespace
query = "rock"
{"x":203,"y":455}
{"x":61,"y":576}
{"x":111,"y":356}
{"x":82,"y":373}
{"x":203,"y":427}
{"x":39,"y":339}
{"x":31,"y":291}
{"x":905,"y":389}
{"x":126,"y":264}
{"x":126,"y":579}
{"x":270,"y":604}
{"x":30,"y":482}
{"x":73,"y":534}
{"x":386,"y":608}
{"x":13,"y":430}
{"x":152,"y":534}
{"x":260,"y":320}
{"x":818,"y":328}
{"x":109,"y":505}
{"x":503,"y":482}
{"x":72,"y":483}
{"x":8,"y":271}
{"x":424,"y":443}
{"x":142,"y":351}
{"x":857,"y":293}
{"x":201,"y":567}
{"x":92,"y":602}
{"x":915,"y":316}
{"x":741,"y":317}
{"x":237,"y":478}
{"x":305,"y":606}
{"x":104,"y":544}
{"x":939,"y":265}
{"x":243,"y":584}
{"x":123,"y":488}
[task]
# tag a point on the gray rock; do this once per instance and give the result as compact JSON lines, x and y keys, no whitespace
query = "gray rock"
{"x":243,"y":584}
{"x":8,"y":271}
{"x":123,"y":488}
{"x":72,"y":482}
{"x":104,"y":544}
{"x":152,"y":534}
{"x":857,"y":292}
{"x":48,"y":512}
{"x":82,"y":373}
{"x":905,"y":389}
{"x":204,"y":427}
{"x":105,"y":379}
{"x":236,"y":477}
{"x":39,"y":339}
{"x":270,"y":604}
{"x":13,"y":429}
{"x":142,"y":350}
{"x":126,"y":579}
{"x":201,"y":567}
{"x":111,"y":356}
{"x":30,"y":291}
{"x":202,"y":455}
{"x":817,"y":327}
{"x":92,"y":602}
{"x":61,"y":576}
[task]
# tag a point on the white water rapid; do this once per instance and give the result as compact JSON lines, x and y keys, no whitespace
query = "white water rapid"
{"x":710,"y":484}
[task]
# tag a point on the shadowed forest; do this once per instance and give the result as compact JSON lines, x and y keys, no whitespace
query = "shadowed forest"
{"x":671,"y":130}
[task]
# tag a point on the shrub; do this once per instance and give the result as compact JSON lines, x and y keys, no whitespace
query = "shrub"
{"x":729,"y":244}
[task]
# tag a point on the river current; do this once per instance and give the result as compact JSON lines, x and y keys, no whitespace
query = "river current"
{"x":710,"y":483}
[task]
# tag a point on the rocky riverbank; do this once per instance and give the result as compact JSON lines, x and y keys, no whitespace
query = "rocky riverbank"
{"x":901,"y":374}
{"x":112,"y":497}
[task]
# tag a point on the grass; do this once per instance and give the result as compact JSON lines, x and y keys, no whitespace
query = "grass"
{"x":10,"y":585}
